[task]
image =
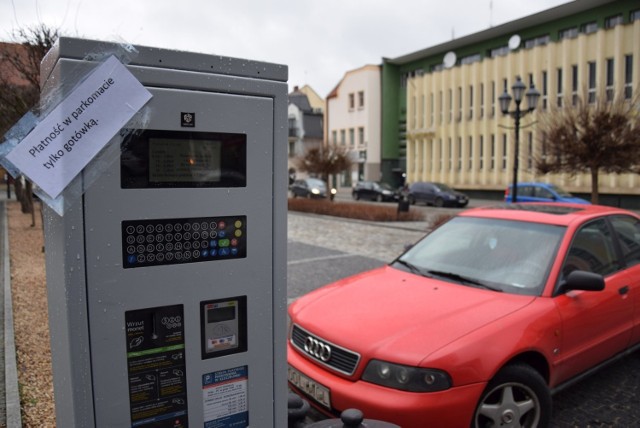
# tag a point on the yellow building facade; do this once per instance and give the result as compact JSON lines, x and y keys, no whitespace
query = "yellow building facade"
{"x":456,"y":133}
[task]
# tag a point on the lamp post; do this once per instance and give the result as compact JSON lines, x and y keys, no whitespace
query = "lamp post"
{"x":532,"y":95}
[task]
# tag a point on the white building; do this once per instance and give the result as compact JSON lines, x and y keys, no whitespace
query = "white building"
{"x":353,"y":120}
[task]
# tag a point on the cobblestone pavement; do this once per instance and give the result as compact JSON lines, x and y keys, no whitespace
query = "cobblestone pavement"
{"x":610,"y":398}
{"x":355,"y":237}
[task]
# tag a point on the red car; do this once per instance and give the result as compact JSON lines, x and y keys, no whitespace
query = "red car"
{"x":478,"y":323}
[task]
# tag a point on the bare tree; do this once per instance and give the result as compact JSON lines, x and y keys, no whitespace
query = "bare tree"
{"x":591,"y":137}
{"x":325,"y":161}
{"x":20,"y":87}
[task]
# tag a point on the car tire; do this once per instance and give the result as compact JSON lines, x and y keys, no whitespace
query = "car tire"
{"x":355,"y":196}
{"x":438,"y":202}
{"x":516,"y":396}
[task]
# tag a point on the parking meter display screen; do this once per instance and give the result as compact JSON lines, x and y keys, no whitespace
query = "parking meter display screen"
{"x":176,"y":159}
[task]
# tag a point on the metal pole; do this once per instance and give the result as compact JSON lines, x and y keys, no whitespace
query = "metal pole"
{"x":514,"y":190}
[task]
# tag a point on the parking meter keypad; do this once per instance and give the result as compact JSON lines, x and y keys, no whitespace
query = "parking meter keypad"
{"x":186,"y":240}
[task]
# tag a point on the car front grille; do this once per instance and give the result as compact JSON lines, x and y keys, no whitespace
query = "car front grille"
{"x":340,"y":359}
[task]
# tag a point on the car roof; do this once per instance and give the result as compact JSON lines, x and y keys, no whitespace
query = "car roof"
{"x":561,"y":214}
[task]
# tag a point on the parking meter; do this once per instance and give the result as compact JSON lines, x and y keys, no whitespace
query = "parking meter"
{"x":167,"y":279}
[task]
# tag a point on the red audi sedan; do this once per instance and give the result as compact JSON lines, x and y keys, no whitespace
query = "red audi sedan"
{"x":479,"y":323}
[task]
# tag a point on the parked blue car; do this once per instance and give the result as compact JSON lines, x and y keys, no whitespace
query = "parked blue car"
{"x":542,"y":192}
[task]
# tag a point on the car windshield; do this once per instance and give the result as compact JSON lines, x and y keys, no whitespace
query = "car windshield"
{"x":502,"y":255}
{"x":312,"y":182}
{"x":383,"y":186}
{"x":443,"y":187}
{"x":560,"y":191}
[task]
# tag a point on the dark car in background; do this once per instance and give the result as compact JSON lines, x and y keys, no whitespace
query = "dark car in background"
{"x":374,"y":191}
{"x":311,"y":188}
{"x":542,"y":192}
{"x":437,"y":194}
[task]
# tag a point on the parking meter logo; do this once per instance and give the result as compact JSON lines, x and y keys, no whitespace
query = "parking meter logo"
{"x":172,"y":322}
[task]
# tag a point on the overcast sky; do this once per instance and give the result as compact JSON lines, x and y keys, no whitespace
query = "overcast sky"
{"x":318,"y":40}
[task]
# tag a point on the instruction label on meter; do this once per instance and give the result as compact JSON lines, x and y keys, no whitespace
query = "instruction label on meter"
{"x":224,"y":395}
{"x":156,"y":367}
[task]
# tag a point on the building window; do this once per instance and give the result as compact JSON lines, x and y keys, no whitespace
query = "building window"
{"x":471,"y":102}
{"x":450,"y":155}
{"x":504,"y":152}
{"x":609,"y":79}
{"x":493,"y":152}
{"x":634,"y":15}
{"x":470,"y":59}
{"x":423,"y":110}
{"x":441,"y":154}
{"x":530,"y":151}
{"x":292,"y":149}
{"x":352,"y":137}
{"x":481,"y":100}
{"x":459,"y":103}
{"x":352,"y":101}
{"x":589,"y":27}
{"x":450,"y":105}
{"x":334,"y":137}
{"x":537,"y":41}
{"x":343,"y":137}
{"x":591,"y":91}
{"x":481,"y":154}
{"x":493,"y":98}
{"x":612,"y":21}
{"x":470,"y":153}
{"x":501,"y":51}
{"x":545,"y":92}
{"x":361,"y":136}
{"x":628,"y":76}
{"x":559,"y":86}
{"x":459,"y":153}
{"x":441,"y":108}
{"x":574,"y":84}
{"x":361,"y":99}
{"x":568,"y":33}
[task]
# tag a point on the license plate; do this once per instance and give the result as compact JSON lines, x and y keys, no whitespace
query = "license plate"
{"x":318,"y":392}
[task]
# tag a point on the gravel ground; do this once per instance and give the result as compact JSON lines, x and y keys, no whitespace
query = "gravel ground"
{"x":31,"y":323}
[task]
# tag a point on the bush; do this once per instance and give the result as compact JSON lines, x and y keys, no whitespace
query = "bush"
{"x":359,"y":211}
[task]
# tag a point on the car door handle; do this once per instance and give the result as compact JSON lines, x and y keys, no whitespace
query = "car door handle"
{"x":623,"y":290}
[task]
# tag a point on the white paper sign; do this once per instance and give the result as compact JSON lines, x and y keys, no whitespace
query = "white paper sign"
{"x":60,"y":146}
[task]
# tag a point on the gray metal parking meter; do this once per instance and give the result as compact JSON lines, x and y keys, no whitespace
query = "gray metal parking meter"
{"x":167,"y":279}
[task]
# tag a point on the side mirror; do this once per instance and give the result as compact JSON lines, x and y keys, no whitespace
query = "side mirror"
{"x":582,"y":280}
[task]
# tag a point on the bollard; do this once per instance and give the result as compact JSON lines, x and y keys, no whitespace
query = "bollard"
{"x":352,"y":418}
{"x":297,"y":409}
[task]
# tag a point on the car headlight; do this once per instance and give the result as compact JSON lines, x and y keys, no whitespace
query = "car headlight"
{"x":406,"y":378}
{"x":333,"y":191}
{"x":315,"y":191}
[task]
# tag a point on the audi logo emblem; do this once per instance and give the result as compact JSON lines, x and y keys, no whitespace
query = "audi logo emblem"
{"x":320,"y":350}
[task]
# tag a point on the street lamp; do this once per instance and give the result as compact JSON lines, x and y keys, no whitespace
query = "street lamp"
{"x":532,"y":95}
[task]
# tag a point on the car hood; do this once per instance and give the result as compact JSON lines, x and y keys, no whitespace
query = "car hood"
{"x":394,"y":315}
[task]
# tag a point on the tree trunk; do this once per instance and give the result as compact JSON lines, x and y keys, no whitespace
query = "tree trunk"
{"x":594,"y":186}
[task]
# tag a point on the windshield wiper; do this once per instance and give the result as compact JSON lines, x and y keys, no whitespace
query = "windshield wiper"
{"x":413,"y":268}
{"x":464,"y":279}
